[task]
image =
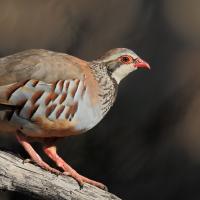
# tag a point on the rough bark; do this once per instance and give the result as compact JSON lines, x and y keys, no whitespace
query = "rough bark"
{"x":15,"y":175}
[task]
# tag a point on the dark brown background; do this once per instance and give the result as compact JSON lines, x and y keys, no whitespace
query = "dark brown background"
{"x":148,"y":146}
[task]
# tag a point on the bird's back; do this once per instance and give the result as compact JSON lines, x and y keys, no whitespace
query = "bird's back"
{"x":40,"y":64}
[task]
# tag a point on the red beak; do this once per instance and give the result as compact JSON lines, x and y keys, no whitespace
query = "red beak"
{"x":139,"y":63}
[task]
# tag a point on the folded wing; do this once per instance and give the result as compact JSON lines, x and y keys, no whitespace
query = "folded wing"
{"x":49,"y":106}
{"x":39,"y":64}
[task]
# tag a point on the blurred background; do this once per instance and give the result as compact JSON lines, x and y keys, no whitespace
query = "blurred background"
{"x":148,"y":146}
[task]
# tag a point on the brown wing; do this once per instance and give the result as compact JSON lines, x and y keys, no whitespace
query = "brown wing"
{"x":38,"y":64}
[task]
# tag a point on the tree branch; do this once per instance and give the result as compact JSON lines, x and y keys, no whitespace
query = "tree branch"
{"x":15,"y":175}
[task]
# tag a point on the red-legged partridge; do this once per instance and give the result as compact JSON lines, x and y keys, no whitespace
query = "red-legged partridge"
{"x":46,"y":95}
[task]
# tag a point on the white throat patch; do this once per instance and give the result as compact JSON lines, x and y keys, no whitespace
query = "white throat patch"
{"x":122,"y":71}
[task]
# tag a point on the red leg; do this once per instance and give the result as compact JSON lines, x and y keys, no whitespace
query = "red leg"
{"x":33,"y":154}
{"x":50,"y":150}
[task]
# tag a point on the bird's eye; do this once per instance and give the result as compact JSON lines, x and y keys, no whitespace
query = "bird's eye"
{"x":126,"y":59}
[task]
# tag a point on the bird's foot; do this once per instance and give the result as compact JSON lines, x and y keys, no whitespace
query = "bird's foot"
{"x":81,"y":180}
{"x":45,"y":166}
{"x":50,"y":150}
{"x":95,"y":183}
{"x":27,"y":160}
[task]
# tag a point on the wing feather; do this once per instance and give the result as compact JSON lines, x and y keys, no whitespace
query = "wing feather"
{"x":39,"y":64}
{"x":42,"y":102}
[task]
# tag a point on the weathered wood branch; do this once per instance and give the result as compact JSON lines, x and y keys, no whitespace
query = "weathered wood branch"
{"x":27,"y":178}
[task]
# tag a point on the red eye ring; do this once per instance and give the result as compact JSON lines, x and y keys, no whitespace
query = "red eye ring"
{"x":126,"y":59}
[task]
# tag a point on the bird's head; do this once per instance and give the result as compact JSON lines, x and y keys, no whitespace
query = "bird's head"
{"x":121,"y":61}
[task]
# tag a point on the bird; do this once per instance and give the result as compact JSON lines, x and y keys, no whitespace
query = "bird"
{"x":47,"y":95}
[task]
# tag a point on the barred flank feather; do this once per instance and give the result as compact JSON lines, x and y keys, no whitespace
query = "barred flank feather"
{"x":8,"y":107}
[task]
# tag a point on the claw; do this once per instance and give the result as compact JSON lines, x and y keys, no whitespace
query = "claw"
{"x":27,"y":161}
{"x":55,"y":171}
{"x":66,"y":173}
{"x":105,"y":188}
{"x":81,"y":187}
{"x":78,"y":179}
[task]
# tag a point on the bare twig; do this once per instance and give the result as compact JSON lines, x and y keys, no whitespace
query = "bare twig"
{"x":15,"y":175}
